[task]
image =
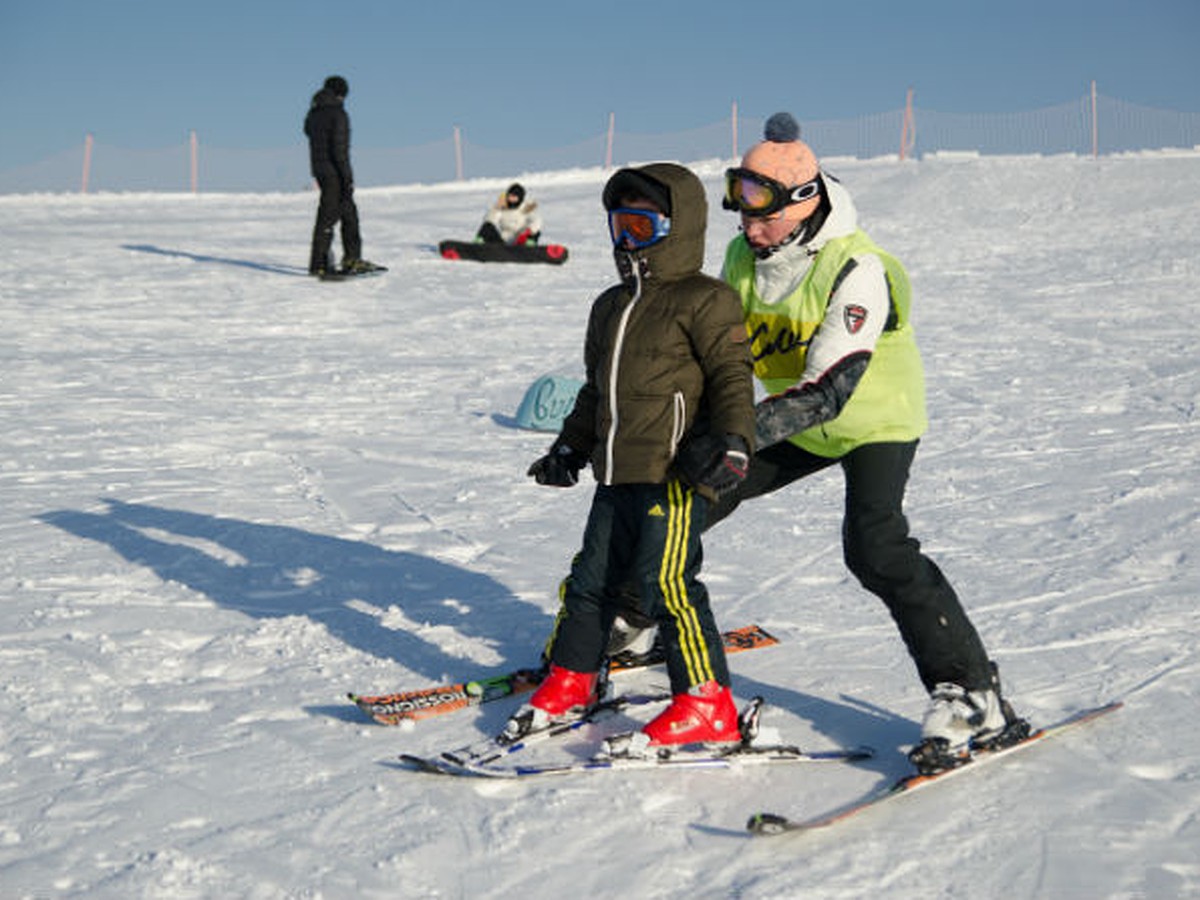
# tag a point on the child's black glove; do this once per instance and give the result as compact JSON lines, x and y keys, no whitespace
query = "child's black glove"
{"x":717,"y":463}
{"x":560,"y":466}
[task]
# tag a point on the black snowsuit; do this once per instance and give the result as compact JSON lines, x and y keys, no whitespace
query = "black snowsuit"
{"x":328,"y":130}
{"x":665,"y":351}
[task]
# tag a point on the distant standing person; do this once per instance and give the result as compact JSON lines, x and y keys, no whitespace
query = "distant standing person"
{"x":328,"y":130}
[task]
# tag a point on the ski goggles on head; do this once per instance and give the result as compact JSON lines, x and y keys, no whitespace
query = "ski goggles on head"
{"x":754,"y":194}
{"x":639,"y":227}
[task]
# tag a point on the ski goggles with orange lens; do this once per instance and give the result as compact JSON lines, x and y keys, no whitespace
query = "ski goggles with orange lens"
{"x":754,"y":194}
{"x":638,"y":227}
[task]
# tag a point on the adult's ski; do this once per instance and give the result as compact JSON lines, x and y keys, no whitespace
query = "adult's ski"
{"x":423,"y":703}
{"x":765,"y":823}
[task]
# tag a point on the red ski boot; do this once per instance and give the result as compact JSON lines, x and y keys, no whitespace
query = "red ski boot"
{"x":705,"y":714}
{"x":561,"y":692}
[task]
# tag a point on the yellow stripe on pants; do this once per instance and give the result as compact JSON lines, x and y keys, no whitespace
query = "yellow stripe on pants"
{"x":674,"y":588}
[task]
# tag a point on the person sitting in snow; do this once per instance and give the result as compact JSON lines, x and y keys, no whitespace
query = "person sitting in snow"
{"x":511,"y":220}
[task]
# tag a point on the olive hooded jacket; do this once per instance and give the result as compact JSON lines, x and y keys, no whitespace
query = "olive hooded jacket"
{"x":667,"y":355}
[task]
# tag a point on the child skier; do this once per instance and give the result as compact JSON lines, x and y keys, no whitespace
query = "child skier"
{"x":666,"y":418}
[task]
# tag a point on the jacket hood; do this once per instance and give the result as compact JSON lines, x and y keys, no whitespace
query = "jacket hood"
{"x":681,"y":252}
{"x":326,"y":97}
{"x":842,"y":219}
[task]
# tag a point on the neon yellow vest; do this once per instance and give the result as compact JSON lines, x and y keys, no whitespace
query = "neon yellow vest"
{"x":889,"y":402}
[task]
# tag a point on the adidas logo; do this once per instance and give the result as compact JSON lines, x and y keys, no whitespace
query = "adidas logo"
{"x":656,"y":510}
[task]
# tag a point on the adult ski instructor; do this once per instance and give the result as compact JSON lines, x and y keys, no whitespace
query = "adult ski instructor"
{"x":828,"y":313}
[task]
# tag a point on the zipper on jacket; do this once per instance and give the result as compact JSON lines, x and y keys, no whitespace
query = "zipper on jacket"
{"x":614,"y":369}
{"x":680,"y":420}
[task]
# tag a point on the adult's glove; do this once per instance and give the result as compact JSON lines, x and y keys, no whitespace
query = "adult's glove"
{"x":719,"y":463}
{"x":560,"y":466}
{"x":525,"y":236}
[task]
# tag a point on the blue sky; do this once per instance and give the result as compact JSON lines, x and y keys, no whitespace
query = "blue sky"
{"x":513,"y":75}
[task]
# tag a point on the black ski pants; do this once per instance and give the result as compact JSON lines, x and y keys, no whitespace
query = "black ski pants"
{"x":650,"y":532}
{"x":336,"y":205}
{"x":489,"y":234}
{"x":882,"y":555}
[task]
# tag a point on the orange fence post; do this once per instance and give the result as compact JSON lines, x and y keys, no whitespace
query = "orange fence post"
{"x":87,"y":163}
{"x":735,"y":142}
{"x":908,"y":131}
{"x":612,"y":122}
{"x":195,"y":164}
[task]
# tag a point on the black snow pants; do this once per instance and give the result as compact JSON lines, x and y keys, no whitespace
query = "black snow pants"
{"x":649,"y":533}
{"x":881,"y":554}
{"x":336,"y":205}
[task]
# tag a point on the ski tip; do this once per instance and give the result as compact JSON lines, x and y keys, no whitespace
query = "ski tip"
{"x":767,"y":823}
{"x":421,"y":764}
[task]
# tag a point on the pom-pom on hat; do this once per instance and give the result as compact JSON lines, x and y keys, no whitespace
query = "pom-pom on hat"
{"x":783,"y":156}
{"x":781,"y":128}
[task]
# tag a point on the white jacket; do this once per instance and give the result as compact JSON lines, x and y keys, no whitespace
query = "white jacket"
{"x":511,"y":222}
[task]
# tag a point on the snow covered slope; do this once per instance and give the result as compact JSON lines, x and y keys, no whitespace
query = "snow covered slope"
{"x":232,"y":493}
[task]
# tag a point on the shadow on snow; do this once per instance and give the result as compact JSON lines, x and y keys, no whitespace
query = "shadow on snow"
{"x":272,"y":571}
{"x":276,"y":269}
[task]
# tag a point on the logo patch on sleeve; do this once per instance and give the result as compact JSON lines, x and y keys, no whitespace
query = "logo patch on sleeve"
{"x":855,"y":318}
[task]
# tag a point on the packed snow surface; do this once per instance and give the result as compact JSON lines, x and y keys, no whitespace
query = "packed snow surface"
{"x":233,"y":493}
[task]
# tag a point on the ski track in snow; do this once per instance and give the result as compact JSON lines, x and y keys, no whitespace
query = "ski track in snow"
{"x":233,"y":494}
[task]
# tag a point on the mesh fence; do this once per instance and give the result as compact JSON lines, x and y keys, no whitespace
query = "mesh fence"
{"x":1116,"y":127}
